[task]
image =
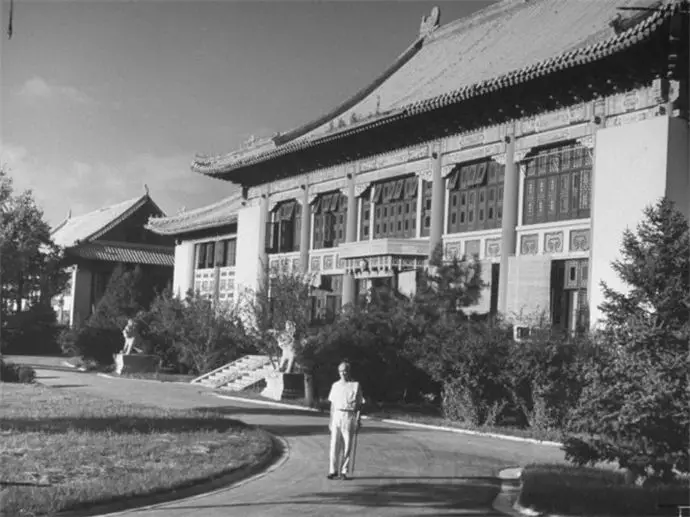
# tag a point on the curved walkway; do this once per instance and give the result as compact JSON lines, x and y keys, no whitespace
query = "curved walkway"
{"x":399,"y":471}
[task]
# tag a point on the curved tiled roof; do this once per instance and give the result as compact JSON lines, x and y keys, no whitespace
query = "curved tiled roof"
{"x":126,"y":252}
{"x":222,"y":213}
{"x":90,"y":226}
{"x":506,"y":44}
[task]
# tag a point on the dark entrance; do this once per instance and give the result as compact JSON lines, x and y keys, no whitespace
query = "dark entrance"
{"x":495,"y":274}
{"x":569,"y":310}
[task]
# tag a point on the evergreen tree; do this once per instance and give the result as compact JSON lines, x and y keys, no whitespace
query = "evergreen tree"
{"x":635,"y":409}
{"x":127,"y":294}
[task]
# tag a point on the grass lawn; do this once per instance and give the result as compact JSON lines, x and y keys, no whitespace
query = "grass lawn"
{"x":61,"y":449}
{"x":569,"y":490}
{"x":415,"y":413}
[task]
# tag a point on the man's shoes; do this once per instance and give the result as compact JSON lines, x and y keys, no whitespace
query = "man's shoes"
{"x":332,"y":476}
{"x":344,"y":477}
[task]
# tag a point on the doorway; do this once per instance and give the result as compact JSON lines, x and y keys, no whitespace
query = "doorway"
{"x":569,"y":307}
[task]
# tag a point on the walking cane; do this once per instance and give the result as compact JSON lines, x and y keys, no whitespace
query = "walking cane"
{"x":353,"y":451}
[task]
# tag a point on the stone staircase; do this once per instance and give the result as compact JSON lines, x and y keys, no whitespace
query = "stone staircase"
{"x":237,"y":375}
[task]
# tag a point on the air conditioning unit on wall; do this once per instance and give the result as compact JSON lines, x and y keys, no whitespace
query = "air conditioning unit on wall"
{"x":522,"y":333}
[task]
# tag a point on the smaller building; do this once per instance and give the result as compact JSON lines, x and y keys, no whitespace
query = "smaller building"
{"x":97,"y":242}
{"x":205,"y":247}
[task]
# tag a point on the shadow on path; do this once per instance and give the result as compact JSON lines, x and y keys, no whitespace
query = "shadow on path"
{"x":463,"y":494}
{"x":69,"y":385}
{"x":317,"y":423}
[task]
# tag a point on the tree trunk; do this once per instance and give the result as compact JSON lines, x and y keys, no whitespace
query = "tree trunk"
{"x":309,"y":389}
{"x":19,"y":294}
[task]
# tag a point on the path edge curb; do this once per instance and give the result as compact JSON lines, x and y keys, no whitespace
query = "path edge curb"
{"x":396,"y":422}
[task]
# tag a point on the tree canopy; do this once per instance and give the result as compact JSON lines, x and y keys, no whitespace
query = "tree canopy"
{"x":30,"y":263}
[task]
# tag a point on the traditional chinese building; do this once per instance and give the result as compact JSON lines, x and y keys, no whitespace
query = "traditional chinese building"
{"x":528,"y":135}
{"x":96,"y":242}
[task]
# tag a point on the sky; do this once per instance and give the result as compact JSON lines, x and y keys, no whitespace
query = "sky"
{"x":99,"y":97}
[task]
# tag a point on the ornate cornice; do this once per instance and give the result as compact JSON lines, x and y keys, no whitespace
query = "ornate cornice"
{"x":360,"y":188}
{"x":426,"y":174}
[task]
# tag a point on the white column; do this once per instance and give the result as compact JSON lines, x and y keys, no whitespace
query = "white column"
{"x":509,"y":221}
{"x":305,"y":231}
{"x":420,"y":204}
{"x":350,"y":235}
{"x":437,"y":201}
{"x":372,"y":213}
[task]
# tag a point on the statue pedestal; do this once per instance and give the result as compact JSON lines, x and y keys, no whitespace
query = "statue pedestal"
{"x":136,"y":363}
{"x":282,"y":386}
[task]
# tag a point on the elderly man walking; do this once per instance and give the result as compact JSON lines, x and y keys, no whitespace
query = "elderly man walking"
{"x":346,"y":402}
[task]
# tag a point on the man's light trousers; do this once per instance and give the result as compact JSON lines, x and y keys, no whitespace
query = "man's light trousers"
{"x":343,"y":426}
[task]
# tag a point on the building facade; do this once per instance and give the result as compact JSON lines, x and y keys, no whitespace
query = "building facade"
{"x":529,"y":150}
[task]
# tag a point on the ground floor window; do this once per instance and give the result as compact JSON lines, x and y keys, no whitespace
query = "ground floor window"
{"x":214,"y":268}
{"x":327,"y":299}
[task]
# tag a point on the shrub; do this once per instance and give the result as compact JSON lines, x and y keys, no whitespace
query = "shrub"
{"x":547,"y":376}
{"x":284,"y":295}
{"x":470,"y":360}
{"x":193,"y":335}
{"x":10,"y":372}
{"x":98,"y":344}
{"x":67,"y":341}
{"x":372,"y":337}
{"x":634,"y":409}
{"x":33,"y":331}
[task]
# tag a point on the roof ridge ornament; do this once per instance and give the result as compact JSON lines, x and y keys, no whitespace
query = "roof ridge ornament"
{"x":430,"y":23}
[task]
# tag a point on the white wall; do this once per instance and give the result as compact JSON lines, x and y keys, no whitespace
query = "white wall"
{"x":81,"y":295}
{"x":251,"y":232}
{"x":183,"y":276}
{"x":631,"y":172}
{"x":529,"y":287}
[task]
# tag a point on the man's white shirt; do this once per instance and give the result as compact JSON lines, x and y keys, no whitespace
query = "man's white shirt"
{"x":345,"y":396}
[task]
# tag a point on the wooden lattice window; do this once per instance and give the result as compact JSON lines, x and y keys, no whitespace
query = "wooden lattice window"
{"x":557,"y":184}
{"x":330,"y":220}
{"x":283,"y":229}
{"x":475,"y":196}
{"x":395,"y":209}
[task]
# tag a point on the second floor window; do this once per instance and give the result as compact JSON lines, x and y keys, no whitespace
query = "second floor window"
{"x":283,"y":229}
{"x":212,"y":254}
{"x":557,"y":184}
{"x":330,"y":220}
{"x":394,"y":209}
{"x":475,"y":196}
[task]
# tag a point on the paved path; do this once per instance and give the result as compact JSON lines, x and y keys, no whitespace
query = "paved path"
{"x":400,"y":471}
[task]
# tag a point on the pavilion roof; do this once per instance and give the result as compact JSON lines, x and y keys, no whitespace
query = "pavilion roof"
{"x":506,"y":44}
{"x":87,"y":227}
{"x":221,"y":213}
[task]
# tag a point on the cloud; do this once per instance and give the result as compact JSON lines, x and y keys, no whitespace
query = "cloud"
{"x":82,"y":186}
{"x":37,"y":89}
